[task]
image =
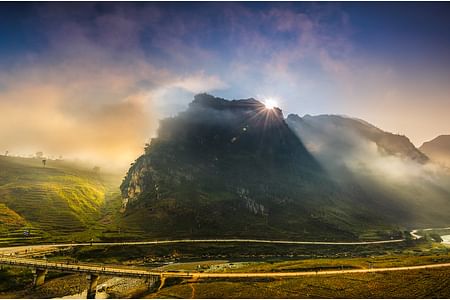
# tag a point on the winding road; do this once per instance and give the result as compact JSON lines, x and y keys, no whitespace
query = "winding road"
{"x":34,"y":248}
{"x":12,"y":256}
{"x":416,"y":236}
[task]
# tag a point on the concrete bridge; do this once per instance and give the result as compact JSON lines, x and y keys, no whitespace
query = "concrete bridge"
{"x":93,"y":272}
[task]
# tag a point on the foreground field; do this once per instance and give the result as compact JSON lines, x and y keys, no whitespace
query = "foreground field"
{"x":402,"y":284}
{"x":428,"y":283}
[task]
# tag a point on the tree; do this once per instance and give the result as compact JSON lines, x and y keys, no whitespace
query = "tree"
{"x":436,"y":237}
{"x":44,"y":162}
{"x":39,"y":154}
{"x":147,"y":148}
{"x":96,"y":169}
{"x":6,"y":153}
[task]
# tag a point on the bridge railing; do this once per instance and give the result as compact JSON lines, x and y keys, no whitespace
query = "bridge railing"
{"x":78,"y":268}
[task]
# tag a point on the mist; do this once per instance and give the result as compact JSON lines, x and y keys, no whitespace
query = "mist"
{"x":351,"y":157}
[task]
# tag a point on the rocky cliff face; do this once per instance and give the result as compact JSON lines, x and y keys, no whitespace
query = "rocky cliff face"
{"x":135,"y":183}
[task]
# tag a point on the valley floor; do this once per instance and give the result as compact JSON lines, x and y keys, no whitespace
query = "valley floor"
{"x":403,"y":284}
{"x":232,"y":258}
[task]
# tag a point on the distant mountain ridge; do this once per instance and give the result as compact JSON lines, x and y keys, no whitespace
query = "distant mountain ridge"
{"x":314,"y":129}
{"x":438,"y":149}
{"x":387,"y":167}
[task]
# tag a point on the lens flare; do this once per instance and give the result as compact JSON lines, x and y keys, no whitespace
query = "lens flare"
{"x":270,"y":103}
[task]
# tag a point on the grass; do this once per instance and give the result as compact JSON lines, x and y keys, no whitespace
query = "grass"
{"x":18,"y":284}
{"x":266,"y":257}
{"x":384,"y":261}
{"x":59,"y":201}
{"x":14,"y":278}
{"x":427,"y":283}
{"x":432,"y":283}
{"x":9,"y":218}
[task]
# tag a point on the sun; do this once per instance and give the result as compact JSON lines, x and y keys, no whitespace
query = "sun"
{"x":270,"y":103}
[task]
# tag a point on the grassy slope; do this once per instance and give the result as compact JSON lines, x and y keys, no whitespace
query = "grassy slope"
{"x":59,"y":199}
{"x":9,"y":218}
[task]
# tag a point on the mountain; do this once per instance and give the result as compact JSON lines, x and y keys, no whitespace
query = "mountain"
{"x":438,"y":149}
{"x":226,"y":168}
{"x":386,"y":166}
{"x":235,"y":168}
{"x":44,"y":201}
{"x":325,"y":131}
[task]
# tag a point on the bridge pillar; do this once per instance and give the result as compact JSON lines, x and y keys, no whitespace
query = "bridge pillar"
{"x":162,"y":280}
{"x":152,"y":281}
{"x":38,"y":276}
{"x":92,"y":285}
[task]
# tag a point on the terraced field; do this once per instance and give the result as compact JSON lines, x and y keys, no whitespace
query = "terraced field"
{"x":38,"y":202}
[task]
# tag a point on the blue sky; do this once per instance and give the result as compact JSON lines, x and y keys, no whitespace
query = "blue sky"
{"x":87,"y":67}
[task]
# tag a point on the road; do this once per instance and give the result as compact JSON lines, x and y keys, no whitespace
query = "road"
{"x":44,"y":247}
{"x":47,"y":247}
{"x":130,"y":272}
{"x":310,"y":273}
{"x":416,"y":236}
{"x":11,"y":256}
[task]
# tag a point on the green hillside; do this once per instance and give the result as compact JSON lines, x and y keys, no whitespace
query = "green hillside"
{"x":56,"y":200}
{"x":9,"y":218}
